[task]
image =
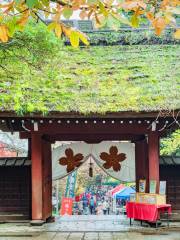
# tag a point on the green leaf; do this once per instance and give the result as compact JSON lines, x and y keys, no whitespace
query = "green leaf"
{"x":11,"y":28}
{"x":74,"y":39}
{"x":67,"y":12}
{"x":31,"y":3}
{"x":92,"y":1}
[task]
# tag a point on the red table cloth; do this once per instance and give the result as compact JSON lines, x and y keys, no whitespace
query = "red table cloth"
{"x":147,"y":212}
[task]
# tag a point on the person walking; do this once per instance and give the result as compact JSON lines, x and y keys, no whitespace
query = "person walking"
{"x":108,"y":207}
{"x":91,"y":205}
{"x":85,"y":205}
{"x":104,"y":207}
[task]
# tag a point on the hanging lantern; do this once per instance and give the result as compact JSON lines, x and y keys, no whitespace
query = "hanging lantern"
{"x":90,"y":169}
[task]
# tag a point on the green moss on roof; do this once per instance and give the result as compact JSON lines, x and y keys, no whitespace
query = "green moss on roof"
{"x":97,"y":79}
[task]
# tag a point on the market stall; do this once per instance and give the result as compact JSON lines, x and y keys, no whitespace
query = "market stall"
{"x":149,"y":206}
{"x":147,"y":212}
{"x":122,"y":197}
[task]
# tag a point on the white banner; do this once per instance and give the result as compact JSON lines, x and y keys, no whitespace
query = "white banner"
{"x":117,"y":159}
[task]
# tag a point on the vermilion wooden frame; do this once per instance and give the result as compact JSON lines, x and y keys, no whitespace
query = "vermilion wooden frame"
{"x":42,"y":131}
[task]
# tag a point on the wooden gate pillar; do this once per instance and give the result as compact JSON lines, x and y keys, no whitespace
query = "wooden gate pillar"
{"x":141,"y":159}
{"x":47,"y":180}
{"x":41,"y":179}
{"x":153,"y":157}
{"x":37,"y":177}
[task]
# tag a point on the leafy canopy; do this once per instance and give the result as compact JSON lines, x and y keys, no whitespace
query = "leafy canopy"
{"x":171,"y":144}
{"x":35,"y":76}
{"x":15,"y":14}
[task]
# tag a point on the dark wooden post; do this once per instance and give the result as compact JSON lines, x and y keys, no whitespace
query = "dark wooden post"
{"x":29,"y":148}
{"x":141,"y":159}
{"x":41,"y":179}
{"x":37,"y":177}
{"x":153,"y":157}
{"x":47,"y":180}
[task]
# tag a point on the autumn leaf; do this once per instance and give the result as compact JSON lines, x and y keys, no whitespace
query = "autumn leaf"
{"x":83,"y":38}
{"x":58,"y":30}
{"x":23,"y":20}
{"x":66,"y":31}
{"x":101,"y":11}
{"x":135,"y":21}
{"x":159,"y":25}
{"x":74,"y":39}
{"x":51,"y":26}
{"x":3,"y":33}
{"x":150,"y":16}
{"x":177,"y":34}
{"x":56,"y":27}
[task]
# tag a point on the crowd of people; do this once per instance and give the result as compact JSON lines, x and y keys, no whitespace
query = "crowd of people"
{"x":93,"y":204}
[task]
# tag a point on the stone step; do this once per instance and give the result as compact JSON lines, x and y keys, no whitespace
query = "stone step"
{"x":13,"y":217}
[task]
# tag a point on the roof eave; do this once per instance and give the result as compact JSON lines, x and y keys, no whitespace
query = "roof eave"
{"x":123,"y":114}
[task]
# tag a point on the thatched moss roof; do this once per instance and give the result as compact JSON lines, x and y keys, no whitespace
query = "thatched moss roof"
{"x":98,"y":79}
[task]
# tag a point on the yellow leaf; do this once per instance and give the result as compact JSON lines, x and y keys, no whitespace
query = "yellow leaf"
{"x":169,"y":18}
{"x":74,"y":39}
{"x":177,"y":34}
{"x":58,"y":30}
{"x":83,"y":38}
{"x":135,"y":21}
{"x":51,"y":26}
{"x":103,"y":9}
{"x":67,"y":31}
{"x":3,"y":33}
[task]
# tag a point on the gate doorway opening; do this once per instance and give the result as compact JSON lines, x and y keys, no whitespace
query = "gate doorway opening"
{"x":93,"y":191}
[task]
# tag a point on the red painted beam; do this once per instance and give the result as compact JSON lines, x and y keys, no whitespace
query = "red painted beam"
{"x":91,"y":128}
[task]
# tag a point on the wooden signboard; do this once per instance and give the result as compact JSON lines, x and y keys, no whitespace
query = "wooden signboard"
{"x":152,"y":187}
{"x":132,"y":197}
{"x":142,"y":186}
{"x":150,"y":198}
{"x":162,"y":187}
